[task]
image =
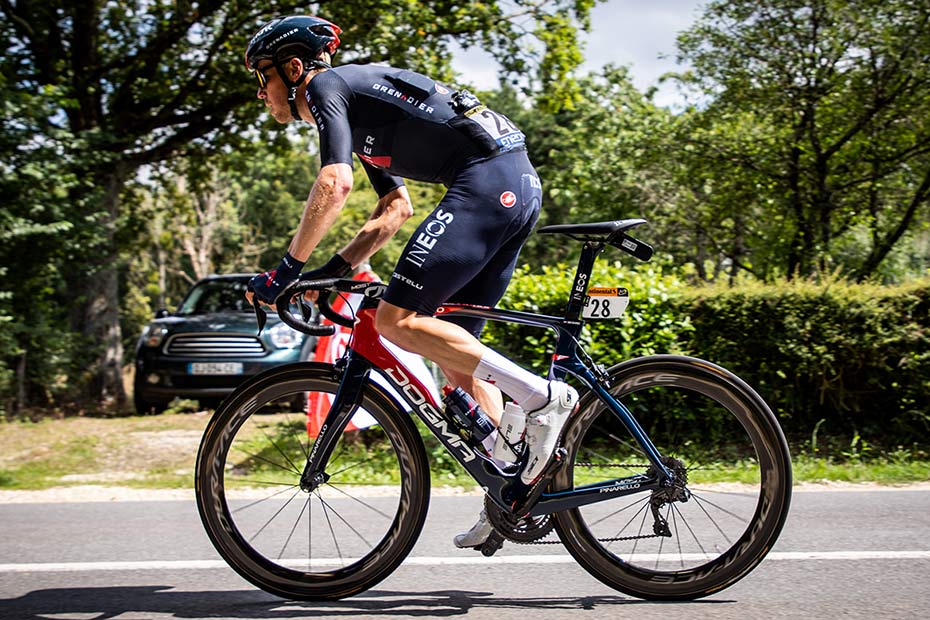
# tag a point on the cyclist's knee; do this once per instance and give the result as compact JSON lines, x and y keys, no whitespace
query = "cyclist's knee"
{"x":393,"y":322}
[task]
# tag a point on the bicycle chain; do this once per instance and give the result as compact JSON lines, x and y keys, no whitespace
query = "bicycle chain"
{"x":615,"y":539}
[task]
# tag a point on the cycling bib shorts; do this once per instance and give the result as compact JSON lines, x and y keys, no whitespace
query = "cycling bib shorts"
{"x":466,"y":250}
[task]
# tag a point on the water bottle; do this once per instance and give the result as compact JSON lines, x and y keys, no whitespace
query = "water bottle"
{"x":473,"y":423}
{"x":510,"y":433}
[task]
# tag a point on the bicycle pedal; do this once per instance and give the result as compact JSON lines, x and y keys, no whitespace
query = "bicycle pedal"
{"x":494,"y":542}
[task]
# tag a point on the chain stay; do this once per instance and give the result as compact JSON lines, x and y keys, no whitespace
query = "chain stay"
{"x":615,"y":539}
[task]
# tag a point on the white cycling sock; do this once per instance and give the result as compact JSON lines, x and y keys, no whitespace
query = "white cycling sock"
{"x":528,"y":390}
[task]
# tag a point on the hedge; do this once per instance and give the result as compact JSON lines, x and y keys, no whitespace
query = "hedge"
{"x":834,"y":358}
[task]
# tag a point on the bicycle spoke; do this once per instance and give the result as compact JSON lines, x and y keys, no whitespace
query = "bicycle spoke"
{"x":264,"y":499}
{"x":294,"y":528}
{"x":276,"y":447}
{"x":642,"y":524}
{"x":347,"y":524}
{"x":704,"y":500}
{"x":616,"y":512}
{"x":662,"y":540}
{"x":366,"y":505}
{"x":693,"y":535}
{"x":681,"y":556}
{"x":329,"y":523}
{"x":269,"y":483}
{"x":268,"y":522}
{"x":358,"y":464}
{"x":258,"y":457}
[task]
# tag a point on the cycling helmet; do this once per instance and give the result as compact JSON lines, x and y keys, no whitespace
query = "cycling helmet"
{"x":296,"y":36}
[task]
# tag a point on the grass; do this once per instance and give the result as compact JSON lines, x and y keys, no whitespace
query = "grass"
{"x":159,"y":452}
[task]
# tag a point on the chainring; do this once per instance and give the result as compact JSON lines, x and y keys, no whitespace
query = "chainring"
{"x":518,"y":530}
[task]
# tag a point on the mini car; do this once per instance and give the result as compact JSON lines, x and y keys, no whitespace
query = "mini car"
{"x":209,"y":346}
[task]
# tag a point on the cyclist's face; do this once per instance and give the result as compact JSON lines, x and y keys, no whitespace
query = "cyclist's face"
{"x":272,"y":90}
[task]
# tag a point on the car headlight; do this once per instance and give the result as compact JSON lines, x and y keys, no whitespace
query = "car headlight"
{"x":283,"y":337}
{"x":153,"y":334}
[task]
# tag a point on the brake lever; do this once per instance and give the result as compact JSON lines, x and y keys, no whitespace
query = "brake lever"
{"x":306,"y":310}
{"x":261,"y":317}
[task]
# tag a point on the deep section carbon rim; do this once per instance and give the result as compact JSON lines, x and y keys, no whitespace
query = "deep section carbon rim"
{"x":340,"y":538}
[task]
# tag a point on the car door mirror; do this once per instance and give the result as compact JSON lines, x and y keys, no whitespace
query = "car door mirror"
{"x":161,"y":313}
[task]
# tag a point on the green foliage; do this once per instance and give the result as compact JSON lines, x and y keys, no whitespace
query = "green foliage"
{"x":833,"y":359}
{"x":844,"y":359}
{"x":810,"y":128}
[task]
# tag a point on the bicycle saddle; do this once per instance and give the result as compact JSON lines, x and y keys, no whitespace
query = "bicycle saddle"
{"x":593,"y":230}
{"x":612,"y":233}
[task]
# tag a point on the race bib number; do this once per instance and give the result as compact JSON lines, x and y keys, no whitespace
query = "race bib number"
{"x":605,"y":303}
{"x":498,"y":127}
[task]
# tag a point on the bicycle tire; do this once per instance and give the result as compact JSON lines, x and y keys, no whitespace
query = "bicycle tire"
{"x":635,"y":561}
{"x":265,"y":454}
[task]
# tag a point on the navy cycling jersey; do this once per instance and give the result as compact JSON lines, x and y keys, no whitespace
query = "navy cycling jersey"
{"x":403,"y":124}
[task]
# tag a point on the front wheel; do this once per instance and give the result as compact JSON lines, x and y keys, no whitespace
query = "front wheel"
{"x":344,"y":536}
{"x":731,"y":495}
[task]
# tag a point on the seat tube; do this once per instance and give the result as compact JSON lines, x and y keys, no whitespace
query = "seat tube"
{"x":570,"y":328}
{"x":582,"y":279}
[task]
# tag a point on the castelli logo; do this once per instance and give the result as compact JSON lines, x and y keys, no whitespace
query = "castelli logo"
{"x":508,"y":199}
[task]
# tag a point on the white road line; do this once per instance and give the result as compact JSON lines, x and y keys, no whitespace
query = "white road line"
{"x":64,"y":567}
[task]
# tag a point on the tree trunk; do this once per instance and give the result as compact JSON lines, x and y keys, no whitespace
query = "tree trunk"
{"x":20,"y":401}
{"x":101,"y":310}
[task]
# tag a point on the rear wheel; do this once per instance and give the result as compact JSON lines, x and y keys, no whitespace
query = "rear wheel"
{"x":341,"y":538}
{"x":733,"y":481}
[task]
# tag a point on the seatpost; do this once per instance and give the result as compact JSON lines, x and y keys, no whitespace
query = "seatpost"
{"x":582,"y":279}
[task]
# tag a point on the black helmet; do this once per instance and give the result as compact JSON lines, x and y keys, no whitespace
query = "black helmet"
{"x":301,"y":36}
{"x":297,"y":36}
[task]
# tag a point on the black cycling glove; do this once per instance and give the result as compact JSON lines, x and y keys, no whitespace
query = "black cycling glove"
{"x":268,"y":285}
{"x":336,"y":267}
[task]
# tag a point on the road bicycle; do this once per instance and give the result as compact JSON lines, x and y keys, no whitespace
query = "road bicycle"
{"x":672,"y":479}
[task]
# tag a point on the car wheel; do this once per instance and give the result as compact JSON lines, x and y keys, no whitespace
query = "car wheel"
{"x":143,"y":406}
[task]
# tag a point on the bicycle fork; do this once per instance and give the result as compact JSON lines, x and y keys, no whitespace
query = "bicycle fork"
{"x":355,"y":371}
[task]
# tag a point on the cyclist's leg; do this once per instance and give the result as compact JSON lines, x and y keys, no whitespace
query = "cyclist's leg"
{"x":487,"y":395}
{"x":466,"y":252}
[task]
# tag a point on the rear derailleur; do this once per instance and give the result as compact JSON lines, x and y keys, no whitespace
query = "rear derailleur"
{"x":677,"y":491}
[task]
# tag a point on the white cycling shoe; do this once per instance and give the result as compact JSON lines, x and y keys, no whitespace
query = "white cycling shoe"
{"x":477,"y":535}
{"x":543,"y":427}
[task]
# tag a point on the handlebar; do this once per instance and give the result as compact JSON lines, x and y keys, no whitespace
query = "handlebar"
{"x":326,"y":286}
{"x":282,"y":305}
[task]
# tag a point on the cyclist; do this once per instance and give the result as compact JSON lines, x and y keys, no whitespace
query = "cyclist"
{"x":403,"y":124}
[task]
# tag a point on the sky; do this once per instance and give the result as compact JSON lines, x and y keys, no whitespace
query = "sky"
{"x":636,"y":33}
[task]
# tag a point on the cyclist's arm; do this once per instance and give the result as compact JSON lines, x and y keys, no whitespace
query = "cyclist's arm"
{"x":329,"y":194}
{"x":393,"y":209}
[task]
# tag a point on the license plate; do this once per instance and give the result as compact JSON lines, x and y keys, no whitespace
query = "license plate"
{"x":605,"y":303}
{"x":214,"y":368}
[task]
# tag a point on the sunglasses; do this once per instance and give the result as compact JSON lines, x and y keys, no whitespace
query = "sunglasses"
{"x":260,"y":74}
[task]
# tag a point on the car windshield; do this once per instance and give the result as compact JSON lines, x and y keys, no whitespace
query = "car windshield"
{"x":215,"y":296}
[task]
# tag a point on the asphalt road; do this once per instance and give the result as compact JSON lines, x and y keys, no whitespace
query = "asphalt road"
{"x":843,"y":554}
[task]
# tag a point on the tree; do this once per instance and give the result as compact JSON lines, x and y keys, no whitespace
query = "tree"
{"x":820,"y":108}
{"x":94,"y":91}
{"x":600,"y":160}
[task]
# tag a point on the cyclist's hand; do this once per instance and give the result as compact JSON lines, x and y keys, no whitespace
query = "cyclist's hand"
{"x":268,"y":285}
{"x":336,"y":267}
